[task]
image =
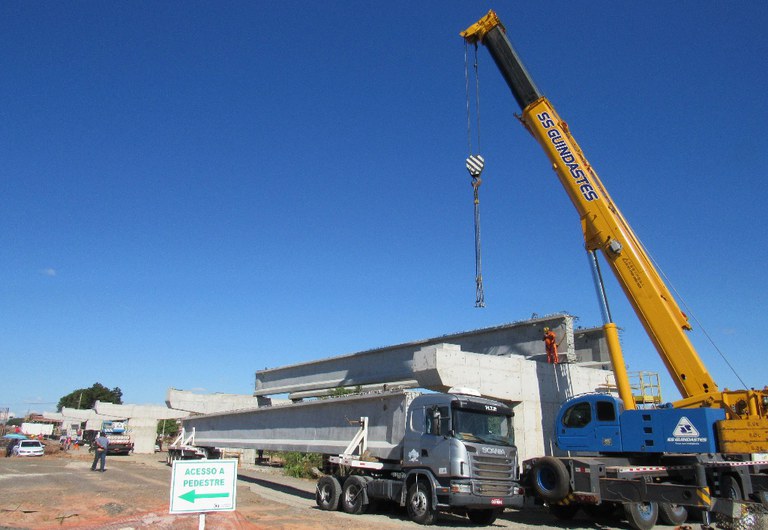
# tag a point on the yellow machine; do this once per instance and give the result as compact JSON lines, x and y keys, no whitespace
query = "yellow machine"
{"x":746,"y":428}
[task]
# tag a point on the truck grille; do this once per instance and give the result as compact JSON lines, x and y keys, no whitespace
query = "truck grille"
{"x":492,"y":476}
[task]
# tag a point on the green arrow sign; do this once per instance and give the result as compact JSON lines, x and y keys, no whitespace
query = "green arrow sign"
{"x":191,"y":496}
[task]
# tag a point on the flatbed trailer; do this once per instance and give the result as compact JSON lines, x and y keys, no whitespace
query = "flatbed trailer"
{"x":428,"y":452}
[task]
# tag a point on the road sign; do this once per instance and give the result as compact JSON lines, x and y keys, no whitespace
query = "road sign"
{"x":203,"y":486}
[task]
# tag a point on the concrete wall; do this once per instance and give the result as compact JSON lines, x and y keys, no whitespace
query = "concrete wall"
{"x":534,"y":390}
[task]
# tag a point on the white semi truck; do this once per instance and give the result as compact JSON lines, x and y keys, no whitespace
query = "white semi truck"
{"x":428,"y":452}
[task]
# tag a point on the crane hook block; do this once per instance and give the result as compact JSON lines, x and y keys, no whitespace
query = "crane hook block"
{"x":475,"y":165}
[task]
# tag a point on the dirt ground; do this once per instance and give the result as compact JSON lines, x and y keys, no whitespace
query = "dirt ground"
{"x":59,"y":490}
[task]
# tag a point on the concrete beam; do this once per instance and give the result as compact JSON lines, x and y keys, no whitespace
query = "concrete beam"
{"x":395,"y":363}
{"x":209,"y":403}
{"x":155,"y":412}
{"x":89,"y":416}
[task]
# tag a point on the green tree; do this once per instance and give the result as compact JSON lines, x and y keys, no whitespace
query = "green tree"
{"x":169,"y":427}
{"x":84,"y":398}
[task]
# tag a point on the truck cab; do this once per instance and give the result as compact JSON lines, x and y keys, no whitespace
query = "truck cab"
{"x":598,"y":423}
{"x":467,"y":444}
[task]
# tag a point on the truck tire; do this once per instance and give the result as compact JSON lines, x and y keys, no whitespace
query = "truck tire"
{"x":730,"y":489}
{"x":483,"y":517}
{"x":672,"y":514}
{"x":641,"y":515}
{"x":550,"y":479}
{"x":328,"y":493}
{"x":420,"y":508}
{"x":353,"y":496}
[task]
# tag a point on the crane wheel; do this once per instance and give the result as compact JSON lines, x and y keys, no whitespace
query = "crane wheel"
{"x":550,"y":479}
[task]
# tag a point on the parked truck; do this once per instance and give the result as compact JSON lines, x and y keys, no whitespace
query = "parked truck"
{"x":428,"y":452}
{"x":116,"y":431}
{"x":695,"y":452}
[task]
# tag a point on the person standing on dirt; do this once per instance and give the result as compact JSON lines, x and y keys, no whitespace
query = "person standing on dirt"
{"x":100,"y":445}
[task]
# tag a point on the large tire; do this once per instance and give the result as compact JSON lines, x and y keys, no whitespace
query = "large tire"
{"x":328,"y":493}
{"x":730,"y":489}
{"x":672,"y":514}
{"x":550,"y":479}
{"x":484,"y":517}
{"x":353,"y":497}
{"x":642,"y":515}
{"x":419,"y":502}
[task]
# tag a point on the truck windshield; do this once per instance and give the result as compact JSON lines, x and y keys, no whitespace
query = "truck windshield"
{"x":475,"y":426}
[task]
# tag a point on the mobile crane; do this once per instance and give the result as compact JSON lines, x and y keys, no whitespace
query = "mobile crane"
{"x":695,"y":452}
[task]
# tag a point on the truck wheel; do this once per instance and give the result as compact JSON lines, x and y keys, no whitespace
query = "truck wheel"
{"x":483,"y":517}
{"x":328,"y":493}
{"x":550,"y":479}
{"x":420,"y":508}
{"x":730,"y":489}
{"x":641,"y":515}
{"x":672,"y":514}
{"x":353,"y":495}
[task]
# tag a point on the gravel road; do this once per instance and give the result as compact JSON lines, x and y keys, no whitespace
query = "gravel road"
{"x":60,"y":491}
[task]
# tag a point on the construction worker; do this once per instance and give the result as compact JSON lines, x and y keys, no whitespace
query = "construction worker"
{"x":550,"y":344}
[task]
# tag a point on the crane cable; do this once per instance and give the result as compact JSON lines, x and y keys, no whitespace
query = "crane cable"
{"x":475,"y":164}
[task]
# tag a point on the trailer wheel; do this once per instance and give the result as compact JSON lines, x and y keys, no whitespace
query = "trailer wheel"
{"x":641,"y":515}
{"x":420,"y":508}
{"x":730,"y":489}
{"x":672,"y":514}
{"x":353,"y":495}
{"x":483,"y":517}
{"x":550,"y":479}
{"x":328,"y":493}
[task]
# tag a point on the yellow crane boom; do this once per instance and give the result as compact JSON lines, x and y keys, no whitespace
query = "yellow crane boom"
{"x":606,"y":230}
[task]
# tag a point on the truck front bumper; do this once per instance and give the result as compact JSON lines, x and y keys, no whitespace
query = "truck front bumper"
{"x":466,"y":495}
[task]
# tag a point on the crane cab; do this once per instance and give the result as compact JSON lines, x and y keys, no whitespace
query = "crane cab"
{"x":598,"y":423}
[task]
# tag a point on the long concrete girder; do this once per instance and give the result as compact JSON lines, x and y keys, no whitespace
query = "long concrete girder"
{"x":91,"y":418}
{"x":395,"y":363}
{"x":208,"y":403}
{"x":153,"y":412}
{"x":534,"y":389}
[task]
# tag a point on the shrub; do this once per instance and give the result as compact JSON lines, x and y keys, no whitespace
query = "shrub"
{"x":300,"y":465}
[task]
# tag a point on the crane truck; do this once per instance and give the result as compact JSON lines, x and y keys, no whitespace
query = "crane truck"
{"x":694,"y":452}
{"x":428,"y":452}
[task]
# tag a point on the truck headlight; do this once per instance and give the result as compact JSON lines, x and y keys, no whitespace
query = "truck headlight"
{"x":459,"y":487}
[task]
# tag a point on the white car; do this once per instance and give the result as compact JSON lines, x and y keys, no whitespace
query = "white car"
{"x":29,"y":448}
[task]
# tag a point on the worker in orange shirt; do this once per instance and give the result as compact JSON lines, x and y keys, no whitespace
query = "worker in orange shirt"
{"x":550,"y":344}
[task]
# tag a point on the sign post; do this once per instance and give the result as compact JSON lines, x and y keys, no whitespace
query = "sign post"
{"x":203,"y":486}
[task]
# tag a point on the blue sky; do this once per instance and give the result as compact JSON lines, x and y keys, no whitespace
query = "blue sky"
{"x":194,"y":191}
